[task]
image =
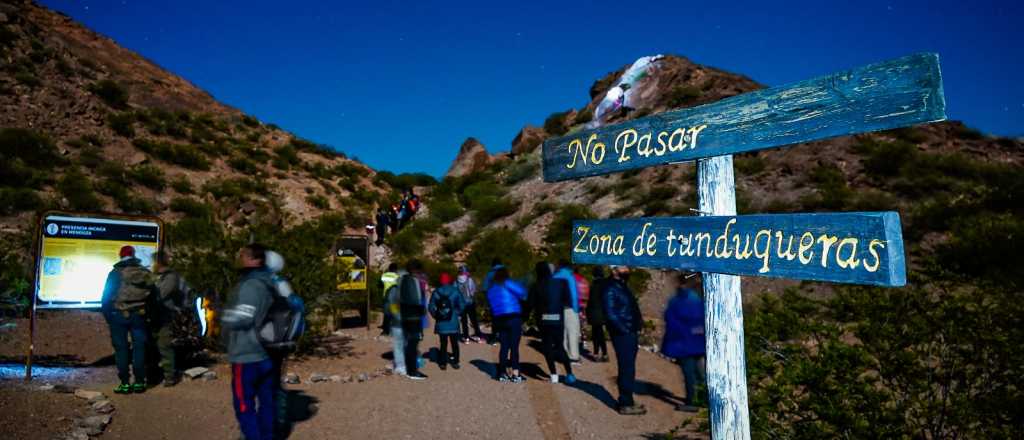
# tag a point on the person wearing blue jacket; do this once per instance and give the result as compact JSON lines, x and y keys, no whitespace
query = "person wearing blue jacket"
{"x":505,"y":296}
{"x":571,"y":319}
{"x":622,"y":313}
{"x":496,"y":264}
{"x":446,"y":306}
{"x":684,"y":334}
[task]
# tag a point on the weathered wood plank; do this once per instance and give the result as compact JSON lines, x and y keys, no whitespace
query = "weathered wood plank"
{"x":890,"y":94}
{"x":856,"y":247}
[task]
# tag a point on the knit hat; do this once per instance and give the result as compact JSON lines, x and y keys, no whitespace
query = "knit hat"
{"x":127,"y":251}
{"x":446,"y":279}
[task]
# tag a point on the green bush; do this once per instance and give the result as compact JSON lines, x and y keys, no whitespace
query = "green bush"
{"x":15,"y":200}
{"x":31,"y":147}
{"x":558,"y":236}
{"x":505,"y":244}
{"x":458,"y":242}
{"x":149,"y":176}
{"x":446,"y":209}
{"x":683,"y":95}
{"x":318,"y":201}
{"x":192,"y":207}
{"x":182,"y":185}
{"x":487,"y":209}
{"x":243,"y":164}
{"x":122,"y":124}
{"x":556,"y":124}
{"x":286,"y":157}
{"x":404,"y":180}
{"x":28,"y":79}
{"x":78,"y":190}
{"x":521,"y":170}
{"x":584,"y":116}
{"x":136,"y":204}
{"x":111,"y":93}
{"x":832,"y":190}
{"x":236,"y":187}
{"x":750,"y":165}
{"x":178,"y":154}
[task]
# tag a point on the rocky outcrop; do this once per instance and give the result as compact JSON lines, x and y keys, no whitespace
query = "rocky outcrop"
{"x":473,"y":156}
{"x":528,"y":139}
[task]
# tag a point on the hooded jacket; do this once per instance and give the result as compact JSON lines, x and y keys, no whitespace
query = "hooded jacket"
{"x":111,"y":299}
{"x":505,"y":298}
{"x":622,"y":312}
{"x":566,"y":274}
{"x":247,"y":309}
{"x":449,"y":326}
{"x":684,"y":325}
{"x":552,"y":297}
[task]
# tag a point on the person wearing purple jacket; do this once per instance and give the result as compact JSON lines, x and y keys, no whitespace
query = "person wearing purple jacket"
{"x":684,"y":334}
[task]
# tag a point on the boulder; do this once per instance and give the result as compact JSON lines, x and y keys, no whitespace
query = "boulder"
{"x":209,"y":375}
{"x":103,"y":407}
{"x":64,"y":389}
{"x":196,"y":372}
{"x":528,"y":139}
{"x":88,"y":395}
{"x":318,"y":377}
{"x":291,"y":378}
{"x":93,"y":425}
{"x":473,"y":156}
{"x":363,"y":377}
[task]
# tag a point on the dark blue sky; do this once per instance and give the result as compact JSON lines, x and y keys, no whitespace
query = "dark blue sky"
{"x":402,"y":85}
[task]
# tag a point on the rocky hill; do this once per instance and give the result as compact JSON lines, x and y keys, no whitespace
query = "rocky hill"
{"x":89,"y":125}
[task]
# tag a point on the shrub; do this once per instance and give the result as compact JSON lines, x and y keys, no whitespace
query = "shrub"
{"x":521,"y":170}
{"x":446,"y":209}
{"x":584,"y":116}
{"x":134,"y":204}
{"x":318,"y":201}
{"x":458,"y":242}
{"x":30,"y":147}
{"x":558,"y":236}
{"x":968,"y":133}
{"x":286,"y":157}
{"x":885,"y":159}
{"x":111,"y":93}
{"x":122,"y":124}
{"x":90,"y":157}
{"x":683,"y":95}
{"x":250,"y":121}
{"x":78,"y":190}
{"x":178,"y":154}
{"x":243,"y":164}
{"x":505,"y":244}
{"x":750,"y":165}
{"x":237,"y":187}
{"x":150,"y":176}
{"x":28,"y":79}
{"x":191,"y":207}
{"x":405,"y":180}
{"x":832,"y":191}
{"x":15,"y":200}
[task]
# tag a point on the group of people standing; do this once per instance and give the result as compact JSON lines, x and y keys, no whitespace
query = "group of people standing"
{"x":393,"y":219}
{"x":555,"y":301}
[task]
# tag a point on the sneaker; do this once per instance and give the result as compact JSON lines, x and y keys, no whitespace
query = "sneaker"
{"x":123,"y":389}
{"x":554,"y":378}
{"x":443,"y":367}
{"x":174,"y":380}
{"x":456,"y":366}
{"x":138,"y":388}
{"x":687,"y":408}
{"x":475,"y":339}
{"x":570,"y":379}
{"x":518,"y":379}
{"x":400,"y":371}
{"x":416,"y":376}
{"x":632,"y":410}
{"x":504,"y":378}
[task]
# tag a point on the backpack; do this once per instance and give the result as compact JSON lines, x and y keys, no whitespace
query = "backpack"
{"x":442,"y":310}
{"x":410,"y":300}
{"x":186,"y":329}
{"x":285,"y":321}
{"x":135,"y":289}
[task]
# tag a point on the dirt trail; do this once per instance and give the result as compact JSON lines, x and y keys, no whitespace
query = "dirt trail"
{"x":451,"y":404}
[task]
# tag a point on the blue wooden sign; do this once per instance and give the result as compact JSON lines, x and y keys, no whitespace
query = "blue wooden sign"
{"x":890,"y":94}
{"x":855,"y":247}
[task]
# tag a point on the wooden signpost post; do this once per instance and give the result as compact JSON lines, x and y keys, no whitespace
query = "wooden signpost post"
{"x":860,"y":247}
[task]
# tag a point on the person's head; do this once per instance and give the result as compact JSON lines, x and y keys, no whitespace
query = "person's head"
{"x":126,"y":252}
{"x":501,"y":275}
{"x":414,"y":266}
{"x":393,"y":267}
{"x":496,"y":262}
{"x":598,"y":272}
{"x":445,"y":278}
{"x":620,"y":272}
{"x":463,"y":269}
{"x":252,"y":256}
{"x":163,"y":258}
{"x":543,"y":270}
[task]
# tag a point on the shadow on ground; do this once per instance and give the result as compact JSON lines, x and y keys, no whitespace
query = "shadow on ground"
{"x":298,"y":407}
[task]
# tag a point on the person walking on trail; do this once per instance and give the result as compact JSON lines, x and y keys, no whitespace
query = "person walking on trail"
{"x":253,"y":382}
{"x":383,"y":222}
{"x":412,"y":286}
{"x":274,"y":263}
{"x":393,"y":316}
{"x":624,"y":323}
{"x":505,"y":296}
{"x":551,"y":297}
{"x":571,"y":312}
{"x":684,"y":335}
{"x":126,"y":294}
{"x":446,"y":306}
{"x":496,"y":265}
{"x":388,"y":280}
{"x":595,"y":315}
{"x":467,"y":287}
{"x":172,"y":300}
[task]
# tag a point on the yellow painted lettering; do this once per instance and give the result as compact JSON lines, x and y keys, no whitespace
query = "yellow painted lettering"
{"x":628,"y":139}
{"x":594,"y":149}
{"x":677,"y":143}
{"x":805,"y":245}
{"x":581,"y":230}
{"x":722,"y":242}
{"x":788,"y":255}
{"x":763,"y":254}
{"x":662,"y":146}
{"x":746,"y":252}
{"x":826,"y":243}
{"x":850,"y":262}
{"x":693,"y":132}
{"x":874,"y":254}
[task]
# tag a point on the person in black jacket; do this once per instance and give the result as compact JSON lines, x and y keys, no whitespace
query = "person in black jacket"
{"x":551,"y":296}
{"x":624,"y":323}
{"x":595,"y":314}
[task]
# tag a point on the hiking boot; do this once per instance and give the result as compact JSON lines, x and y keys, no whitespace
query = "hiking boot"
{"x":443,"y":367}
{"x":139,"y":387}
{"x":456,"y":366}
{"x":123,"y":389}
{"x":570,"y":379}
{"x":172,"y":381}
{"x":632,"y":410}
{"x":416,"y":376}
{"x":687,"y":408}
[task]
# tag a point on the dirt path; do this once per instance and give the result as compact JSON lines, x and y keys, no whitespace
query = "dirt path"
{"x":451,"y":404}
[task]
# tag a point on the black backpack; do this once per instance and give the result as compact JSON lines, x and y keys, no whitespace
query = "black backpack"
{"x":285,"y":320}
{"x":442,"y":307}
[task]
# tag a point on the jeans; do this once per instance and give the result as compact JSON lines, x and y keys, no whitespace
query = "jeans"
{"x":597,"y":334}
{"x":693,"y":373}
{"x":551,"y":338}
{"x":469,"y":316}
{"x":120,"y":327}
{"x":572,"y":333}
{"x":626,"y":346}
{"x":411,"y":351}
{"x":250,"y":383}
{"x":452,"y":338}
{"x":510,"y":330}
{"x":398,"y":348}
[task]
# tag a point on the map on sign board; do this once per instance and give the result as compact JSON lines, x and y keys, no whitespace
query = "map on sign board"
{"x":77,"y":253}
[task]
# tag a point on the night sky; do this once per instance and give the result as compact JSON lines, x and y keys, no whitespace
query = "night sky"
{"x":400,"y":86}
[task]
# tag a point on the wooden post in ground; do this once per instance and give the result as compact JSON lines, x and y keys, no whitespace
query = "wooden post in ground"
{"x":723,"y":313}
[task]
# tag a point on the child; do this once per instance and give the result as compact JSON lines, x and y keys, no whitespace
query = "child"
{"x":446,"y":306}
